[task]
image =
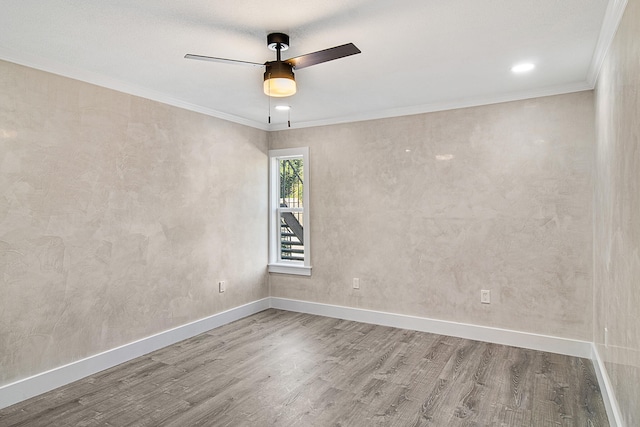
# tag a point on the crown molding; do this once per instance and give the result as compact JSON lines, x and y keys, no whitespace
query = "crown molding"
{"x":441,"y":106}
{"x":118,"y":85}
{"x":610,"y":23}
{"x":613,"y":16}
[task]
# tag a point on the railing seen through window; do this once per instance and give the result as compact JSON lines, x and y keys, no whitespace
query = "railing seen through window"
{"x":291,"y":209}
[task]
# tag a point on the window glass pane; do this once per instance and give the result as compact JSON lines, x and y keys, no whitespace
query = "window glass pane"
{"x":291,"y":183}
{"x":291,"y":236}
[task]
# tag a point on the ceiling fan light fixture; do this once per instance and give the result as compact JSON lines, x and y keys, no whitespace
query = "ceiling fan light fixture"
{"x":279,"y":80}
{"x":279,"y":87}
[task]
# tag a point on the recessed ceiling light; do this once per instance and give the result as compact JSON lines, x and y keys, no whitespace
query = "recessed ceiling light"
{"x":444,"y":156}
{"x":523,"y":68}
{"x":283,"y":107}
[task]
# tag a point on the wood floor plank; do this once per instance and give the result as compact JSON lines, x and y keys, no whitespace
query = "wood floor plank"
{"x":590,"y":407}
{"x":279,"y":368}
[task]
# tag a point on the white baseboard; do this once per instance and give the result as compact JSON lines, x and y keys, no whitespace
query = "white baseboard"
{"x":546,"y":343}
{"x":606,"y":389}
{"x":49,"y":380}
{"x":462,"y":330}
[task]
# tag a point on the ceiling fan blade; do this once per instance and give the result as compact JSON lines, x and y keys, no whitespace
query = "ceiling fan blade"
{"x":323,"y":56}
{"x":214,"y":59}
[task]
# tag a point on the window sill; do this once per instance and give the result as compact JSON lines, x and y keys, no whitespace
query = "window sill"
{"x":299,"y":270}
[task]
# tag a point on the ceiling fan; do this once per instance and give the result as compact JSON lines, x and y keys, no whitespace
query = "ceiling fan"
{"x":279,"y":80}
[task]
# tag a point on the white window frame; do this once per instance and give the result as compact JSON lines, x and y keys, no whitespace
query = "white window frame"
{"x":277,"y":265}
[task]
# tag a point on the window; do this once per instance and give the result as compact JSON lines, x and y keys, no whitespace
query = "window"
{"x":289,"y":211}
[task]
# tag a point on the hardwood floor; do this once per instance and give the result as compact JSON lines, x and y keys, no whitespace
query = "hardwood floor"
{"x":279,"y":368}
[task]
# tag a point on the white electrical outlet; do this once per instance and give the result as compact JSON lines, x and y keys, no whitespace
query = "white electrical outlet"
{"x":485,"y":296}
{"x":222,"y":286}
{"x":356,"y":283}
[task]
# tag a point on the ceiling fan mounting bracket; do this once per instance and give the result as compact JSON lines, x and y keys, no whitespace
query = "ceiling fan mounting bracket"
{"x":275,"y":39}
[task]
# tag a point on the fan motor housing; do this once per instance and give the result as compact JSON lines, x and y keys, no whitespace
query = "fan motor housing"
{"x":278,"y":69}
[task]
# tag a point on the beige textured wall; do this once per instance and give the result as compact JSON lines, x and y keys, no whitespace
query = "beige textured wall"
{"x":617,"y":215}
{"x":509,"y":212}
{"x":118,"y":216}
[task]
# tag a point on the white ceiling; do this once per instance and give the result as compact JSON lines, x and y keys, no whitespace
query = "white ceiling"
{"x":417,"y":55}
